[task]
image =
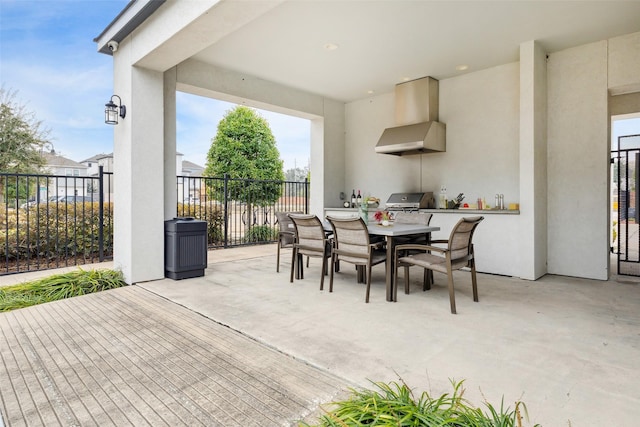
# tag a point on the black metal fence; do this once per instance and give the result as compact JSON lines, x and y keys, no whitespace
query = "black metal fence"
{"x":52,"y":221}
{"x":240,"y":211}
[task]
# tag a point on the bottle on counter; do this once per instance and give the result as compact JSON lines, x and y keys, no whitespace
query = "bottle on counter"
{"x":480,"y":207}
{"x":353,"y":198}
{"x":442,"y":202}
{"x":359,"y":199}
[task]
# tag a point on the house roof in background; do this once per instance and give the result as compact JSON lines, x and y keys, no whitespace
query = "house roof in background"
{"x":186,"y":164}
{"x":55,"y":160}
{"x":97,"y":157}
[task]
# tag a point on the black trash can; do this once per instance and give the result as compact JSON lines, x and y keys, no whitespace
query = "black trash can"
{"x":185,"y":248}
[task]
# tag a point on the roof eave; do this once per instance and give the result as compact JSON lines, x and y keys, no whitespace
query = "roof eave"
{"x":130,"y":18}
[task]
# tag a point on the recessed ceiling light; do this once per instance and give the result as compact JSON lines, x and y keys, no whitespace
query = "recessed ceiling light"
{"x":370,"y":91}
{"x":330,"y":46}
{"x":462,"y":67}
{"x":406,"y":79}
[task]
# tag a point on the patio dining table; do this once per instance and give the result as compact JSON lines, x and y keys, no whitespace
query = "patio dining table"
{"x":390,"y":232}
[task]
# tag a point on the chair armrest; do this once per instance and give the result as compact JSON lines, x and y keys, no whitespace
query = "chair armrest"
{"x":424,"y":248}
{"x":377,"y":245}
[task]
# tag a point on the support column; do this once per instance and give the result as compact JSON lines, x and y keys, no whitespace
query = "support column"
{"x":533,"y":161}
{"x":139,"y":174}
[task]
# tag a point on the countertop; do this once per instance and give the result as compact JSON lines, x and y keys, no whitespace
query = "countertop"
{"x":444,"y":211}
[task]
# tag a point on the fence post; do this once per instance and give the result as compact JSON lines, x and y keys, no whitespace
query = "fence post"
{"x":226,"y":211}
{"x":306,"y":195}
{"x":101,"y":213}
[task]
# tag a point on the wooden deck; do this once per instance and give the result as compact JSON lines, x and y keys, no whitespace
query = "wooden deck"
{"x":130,"y":357}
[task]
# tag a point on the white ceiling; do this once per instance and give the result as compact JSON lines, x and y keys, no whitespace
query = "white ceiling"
{"x":381,"y":43}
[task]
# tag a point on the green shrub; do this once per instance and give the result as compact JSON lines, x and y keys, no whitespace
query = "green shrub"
{"x":59,"y":286}
{"x":51,"y":230}
{"x":261,"y":233}
{"x":395,"y":405}
{"x":213,"y":214}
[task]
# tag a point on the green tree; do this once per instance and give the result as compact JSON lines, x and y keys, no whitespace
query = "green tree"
{"x":245,"y":149}
{"x":21,"y":136}
{"x":21,"y":141}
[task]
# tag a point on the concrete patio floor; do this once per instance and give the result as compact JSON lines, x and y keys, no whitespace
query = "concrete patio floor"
{"x":569,"y":348}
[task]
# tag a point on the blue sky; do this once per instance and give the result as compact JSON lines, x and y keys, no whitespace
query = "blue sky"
{"x":48,"y":56}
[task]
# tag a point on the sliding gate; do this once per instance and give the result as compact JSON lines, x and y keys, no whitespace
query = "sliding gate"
{"x":626,"y":172}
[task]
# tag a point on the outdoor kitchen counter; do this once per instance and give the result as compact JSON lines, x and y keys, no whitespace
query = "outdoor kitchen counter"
{"x":344,"y":212}
{"x":473,"y":211}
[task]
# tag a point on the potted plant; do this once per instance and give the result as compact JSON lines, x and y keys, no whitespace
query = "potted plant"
{"x":382,"y":217}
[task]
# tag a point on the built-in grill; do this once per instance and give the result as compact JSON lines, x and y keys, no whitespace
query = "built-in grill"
{"x":410,"y":201}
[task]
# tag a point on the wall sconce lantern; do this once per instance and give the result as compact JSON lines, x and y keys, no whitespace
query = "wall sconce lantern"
{"x":112,"y":111}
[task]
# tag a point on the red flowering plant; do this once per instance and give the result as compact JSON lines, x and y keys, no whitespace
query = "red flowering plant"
{"x":381,"y":216}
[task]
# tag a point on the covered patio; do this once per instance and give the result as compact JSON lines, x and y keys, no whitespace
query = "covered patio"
{"x":568,"y":347}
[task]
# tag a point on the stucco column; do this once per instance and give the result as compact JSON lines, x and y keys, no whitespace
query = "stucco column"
{"x":533,"y":161}
{"x":139,"y":174}
{"x":171,"y":166}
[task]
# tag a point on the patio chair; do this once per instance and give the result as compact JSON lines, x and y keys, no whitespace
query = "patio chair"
{"x":286,"y":234}
{"x":457,"y":253}
{"x":352,"y":245}
{"x":311,"y":241}
{"x":422,"y":218}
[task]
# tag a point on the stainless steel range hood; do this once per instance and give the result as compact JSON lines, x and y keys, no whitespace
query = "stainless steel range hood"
{"x":417,"y":114}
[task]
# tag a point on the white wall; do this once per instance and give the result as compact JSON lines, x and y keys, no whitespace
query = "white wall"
{"x":375,"y":174}
{"x":138,"y":171}
{"x":578,"y":162}
{"x":624,"y":64}
{"x":481,"y":111}
{"x":533,"y":161}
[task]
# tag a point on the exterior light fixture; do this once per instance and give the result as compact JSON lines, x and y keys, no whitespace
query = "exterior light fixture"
{"x":112,"y":111}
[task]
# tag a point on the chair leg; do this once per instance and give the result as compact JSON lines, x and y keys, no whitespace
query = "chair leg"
{"x":406,"y":279}
{"x":474,"y":282}
{"x":452,"y":297}
{"x":427,"y":280}
{"x":368,"y":282}
{"x":333,"y":261}
{"x":300,"y":271}
{"x":394,"y":282}
{"x":293,"y":263}
{"x":324,"y":270}
{"x":278,"y":259}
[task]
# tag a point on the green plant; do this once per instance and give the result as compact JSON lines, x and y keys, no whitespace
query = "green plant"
{"x":213,"y":214}
{"x":261,"y":233}
{"x":55,"y":231}
{"x":59,"y":286}
{"x":395,"y":405}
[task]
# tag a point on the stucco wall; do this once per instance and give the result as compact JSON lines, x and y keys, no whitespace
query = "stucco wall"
{"x":481,"y":111}
{"x":624,"y":64}
{"x":533,"y":161}
{"x":578,"y":162}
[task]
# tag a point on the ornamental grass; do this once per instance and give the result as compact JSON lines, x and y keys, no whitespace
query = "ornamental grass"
{"x":395,"y":405}
{"x":58,"y":286}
